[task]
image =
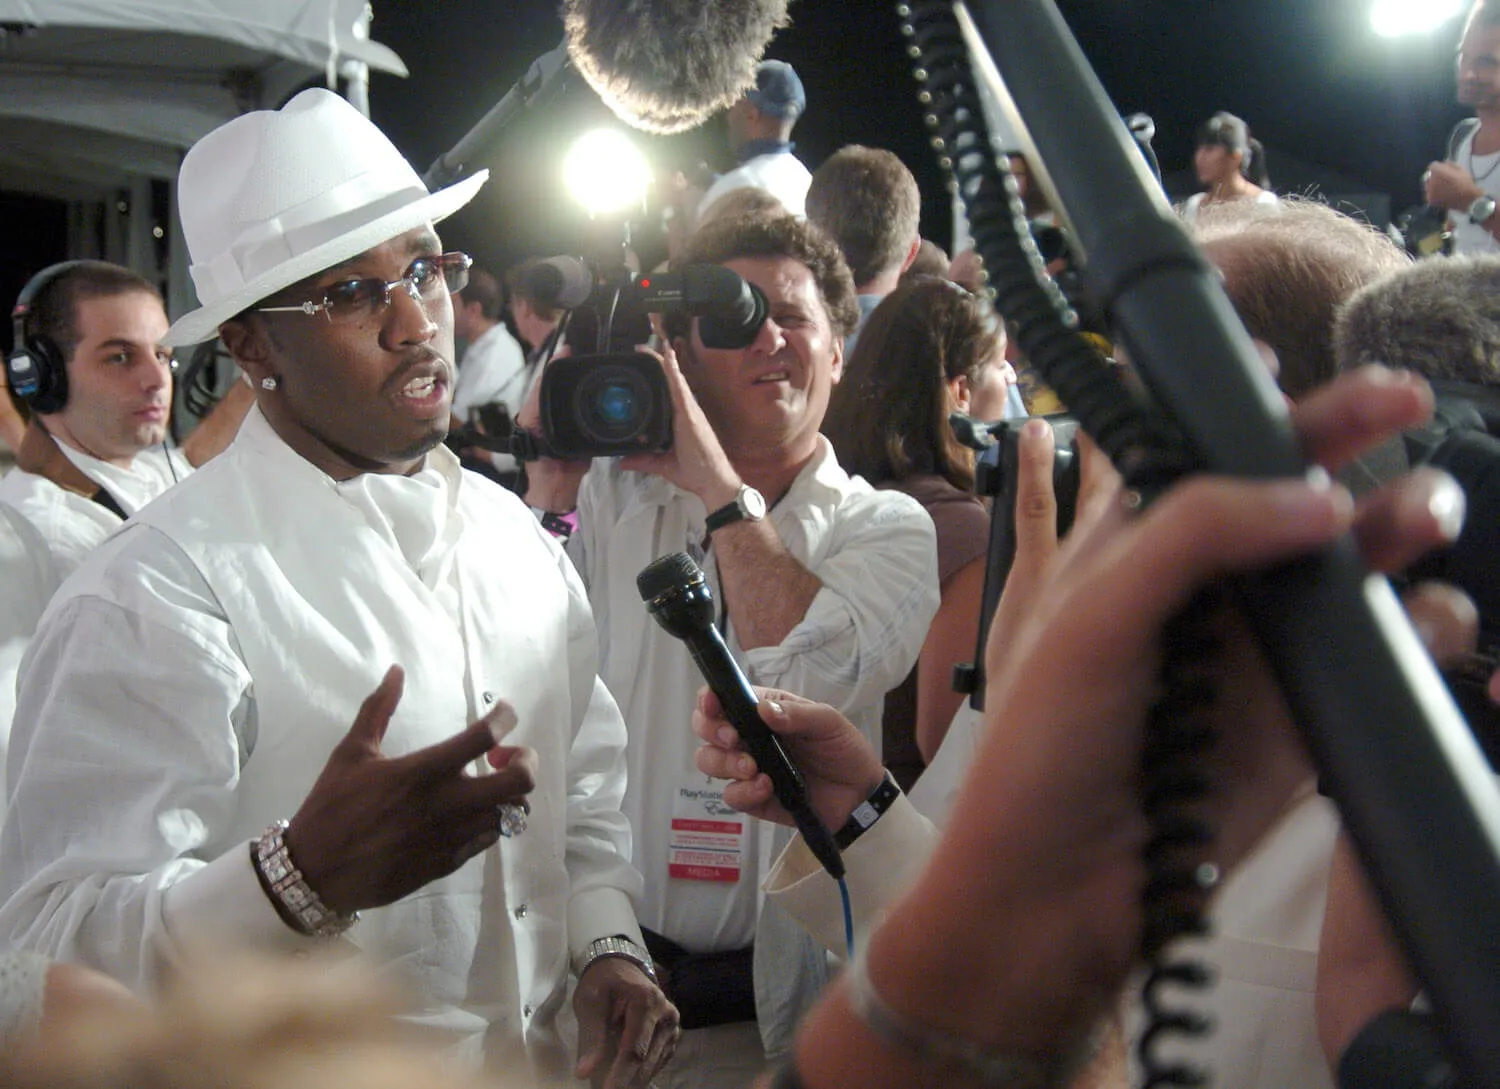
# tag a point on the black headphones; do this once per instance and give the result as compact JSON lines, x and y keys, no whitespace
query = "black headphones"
{"x":35,"y":370}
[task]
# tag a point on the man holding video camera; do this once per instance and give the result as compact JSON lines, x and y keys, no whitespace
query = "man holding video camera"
{"x":826,"y":588}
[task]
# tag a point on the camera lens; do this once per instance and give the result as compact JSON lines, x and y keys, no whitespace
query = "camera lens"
{"x":612,"y":404}
{"x":616,"y":404}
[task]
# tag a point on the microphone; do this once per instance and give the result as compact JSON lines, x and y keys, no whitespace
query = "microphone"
{"x":669,"y":65}
{"x":676,"y":593}
{"x":543,"y":81}
{"x":560,"y":283}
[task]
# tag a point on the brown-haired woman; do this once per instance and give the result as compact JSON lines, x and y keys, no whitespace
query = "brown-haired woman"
{"x":930,"y":348}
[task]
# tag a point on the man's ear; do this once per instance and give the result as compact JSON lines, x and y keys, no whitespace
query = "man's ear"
{"x":836,"y":371}
{"x":911,"y":253}
{"x":250,"y":346}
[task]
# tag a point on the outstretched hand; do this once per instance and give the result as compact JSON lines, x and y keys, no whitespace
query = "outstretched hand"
{"x":375,"y":828}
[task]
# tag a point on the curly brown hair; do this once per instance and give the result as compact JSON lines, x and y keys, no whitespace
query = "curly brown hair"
{"x":761,"y":235}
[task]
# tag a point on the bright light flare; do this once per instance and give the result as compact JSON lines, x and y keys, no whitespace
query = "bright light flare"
{"x":1399,"y":18}
{"x":606,"y":173}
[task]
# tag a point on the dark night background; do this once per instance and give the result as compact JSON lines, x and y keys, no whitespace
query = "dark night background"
{"x":1309,"y":76}
{"x":1314,"y":82}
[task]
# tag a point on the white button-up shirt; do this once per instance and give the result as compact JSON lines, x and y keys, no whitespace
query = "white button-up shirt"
{"x":188,"y":683}
{"x":876,"y":555}
{"x":27,"y":581}
{"x":74,"y":525}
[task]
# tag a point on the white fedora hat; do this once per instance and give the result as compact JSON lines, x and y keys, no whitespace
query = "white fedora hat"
{"x":275,"y":196}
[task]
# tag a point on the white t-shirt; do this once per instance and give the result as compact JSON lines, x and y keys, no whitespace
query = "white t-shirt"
{"x":1469,"y":238}
{"x":779,"y":173}
{"x":1194,"y":202}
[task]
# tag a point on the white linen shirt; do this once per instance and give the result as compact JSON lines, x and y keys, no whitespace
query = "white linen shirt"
{"x":74,"y":525}
{"x":779,"y":173}
{"x":27,"y":581}
{"x":876,"y":555}
{"x":187,"y":685}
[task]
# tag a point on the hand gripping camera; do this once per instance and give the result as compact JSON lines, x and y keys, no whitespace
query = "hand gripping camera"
{"x":617,"y":403}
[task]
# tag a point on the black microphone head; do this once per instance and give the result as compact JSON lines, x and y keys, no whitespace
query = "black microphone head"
{"x":676,"y":593}
{"x":559,"y":283}
{"x":670,"y":572}
{"x":669,"y":65}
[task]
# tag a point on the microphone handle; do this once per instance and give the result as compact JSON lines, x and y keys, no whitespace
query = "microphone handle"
{"x":740,"y":706}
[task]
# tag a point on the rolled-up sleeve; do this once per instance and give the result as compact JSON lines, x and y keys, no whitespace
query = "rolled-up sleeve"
{"x":129,"y":736}
{"x":865,"y":628}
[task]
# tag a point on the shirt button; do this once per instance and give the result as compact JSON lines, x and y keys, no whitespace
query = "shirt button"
{"x":520,"y":911}
{"x":488,"y":697}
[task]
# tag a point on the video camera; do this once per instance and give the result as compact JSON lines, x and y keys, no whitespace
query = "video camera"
{"x":611,"y":404}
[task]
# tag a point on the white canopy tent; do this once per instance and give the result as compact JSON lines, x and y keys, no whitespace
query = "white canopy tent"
{"x":100,"y":98}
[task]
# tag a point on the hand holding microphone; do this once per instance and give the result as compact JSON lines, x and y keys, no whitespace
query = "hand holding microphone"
{"x":839,"y":765}
{"x":677,"y":595}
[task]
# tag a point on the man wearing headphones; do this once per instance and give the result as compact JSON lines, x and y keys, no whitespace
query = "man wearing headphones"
{"x":88,"y":361}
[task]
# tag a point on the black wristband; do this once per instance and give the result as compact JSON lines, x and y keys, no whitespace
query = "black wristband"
{"x":868,"y":812}
{"x":559,"y":525}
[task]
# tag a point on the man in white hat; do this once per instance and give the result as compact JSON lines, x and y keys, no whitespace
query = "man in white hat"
{"x":194,"y":685}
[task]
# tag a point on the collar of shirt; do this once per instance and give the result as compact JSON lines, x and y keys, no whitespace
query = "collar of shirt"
{"x":149,"y":475}
{"x":417,"y":514}
{"x":753,"y":149}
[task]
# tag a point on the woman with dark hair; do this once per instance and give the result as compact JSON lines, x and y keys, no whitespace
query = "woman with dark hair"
{"x":1231,"y":162}
{"x":930,"y":348}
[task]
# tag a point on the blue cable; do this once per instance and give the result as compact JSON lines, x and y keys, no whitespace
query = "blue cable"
{"x":848,"y":918}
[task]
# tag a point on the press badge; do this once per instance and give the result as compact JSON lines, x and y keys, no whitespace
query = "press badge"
{"x":708,"y":838}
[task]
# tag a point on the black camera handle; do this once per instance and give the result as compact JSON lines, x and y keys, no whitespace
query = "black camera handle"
{"x":1391,"y":747}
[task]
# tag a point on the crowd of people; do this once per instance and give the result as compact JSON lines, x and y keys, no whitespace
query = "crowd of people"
{"x":338,"y":742}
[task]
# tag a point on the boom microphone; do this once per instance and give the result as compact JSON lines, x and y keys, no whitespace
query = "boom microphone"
{"x":669,"y":65}
{"x":677,"y":595}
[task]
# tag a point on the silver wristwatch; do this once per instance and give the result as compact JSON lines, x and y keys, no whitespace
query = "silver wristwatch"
{"x":748,"y":505}
{"x":1481,"y":210}
{"x":615,"y":946}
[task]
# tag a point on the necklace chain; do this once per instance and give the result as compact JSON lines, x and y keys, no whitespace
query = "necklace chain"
{"x":1493,"y":166}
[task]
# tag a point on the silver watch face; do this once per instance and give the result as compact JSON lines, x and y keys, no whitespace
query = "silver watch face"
{"x":753,"y":502}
